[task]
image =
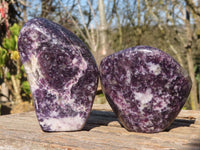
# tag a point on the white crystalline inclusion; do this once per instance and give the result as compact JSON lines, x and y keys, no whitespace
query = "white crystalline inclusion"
{"x":144,"y":97}
{"x":128,"y":77}
{"x":154,"y":68}
{"x":33,"y":35}
{"x":64,"y":124}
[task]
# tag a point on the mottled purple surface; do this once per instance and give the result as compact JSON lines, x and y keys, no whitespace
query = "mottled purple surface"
{"x":145,"y":87}
{"x":62,"y":74}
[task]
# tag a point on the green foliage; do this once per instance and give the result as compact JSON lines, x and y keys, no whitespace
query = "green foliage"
{"x":8,"y":76}
{"x":10,"y":59}
{"x":26,"y":87}
{"x":184,"y":108}
{"x":15,"y":29}
{"x":11,"y":42}
{"x":3,"y":56}
{"x":22,"y":69}
{"x":9,"y":50}
{"x":101,"y":95}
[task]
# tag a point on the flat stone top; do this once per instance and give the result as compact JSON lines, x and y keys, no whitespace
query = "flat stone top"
{"x":102,"y":131}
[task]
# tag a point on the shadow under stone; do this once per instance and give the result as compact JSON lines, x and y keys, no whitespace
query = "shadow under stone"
{"x":103,"y":118}
{"x":180,"y":123}
{"x":99,"y":118}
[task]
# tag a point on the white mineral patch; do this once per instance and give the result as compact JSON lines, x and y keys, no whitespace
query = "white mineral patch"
{"x":176,"y":88}
{"x":35,"y":45}
{"x":54,"y":41}
{"x":90,"y":98}
{"x":167,"y":85}
{"x":33,"y":35}
{"x":36,"y":104}
{"x":144,"y":97}
{"x":54,"y":114}
{"x":83,"y":65}
{"x":146,"y":124}
{"x":42,"y":105}
{"x":74,"y":61}
{"x":128,"y":77}
{"x":33,"y":72}
{"x":35,"y":27}
{"x":154,"y":68}
{"x":31,"y":65}
{"x":144,"y":50}
{"x":64,"y":124}
{"x":159,"y":91}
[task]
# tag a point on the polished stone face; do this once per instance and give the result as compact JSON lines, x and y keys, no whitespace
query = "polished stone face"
{"x":145,"y":87}
{"x":62,"y":74}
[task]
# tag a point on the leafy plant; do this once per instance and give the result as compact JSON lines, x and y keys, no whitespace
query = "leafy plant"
{"x":26,"y":87}
{"x":11,"y":42}
{"x":11,"y":69}
{"x":3,"y":56}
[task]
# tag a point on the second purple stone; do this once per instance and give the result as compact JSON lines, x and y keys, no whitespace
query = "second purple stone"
{"x":145,"y":87}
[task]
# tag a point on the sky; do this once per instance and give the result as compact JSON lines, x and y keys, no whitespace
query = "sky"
{"x":36,"y":9}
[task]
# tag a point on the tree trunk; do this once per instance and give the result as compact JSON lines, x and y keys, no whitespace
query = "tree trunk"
{"x":24,"y":12}
{"x":197,"y":22}
{"x":4,"y":92}
{"x":120,"y":32}
{"x":190,"y":61}
{"x":138,"y":28}
{"x":16,"y":83}
{"x":103,"y":50}
{"x":119,"y":26}
{"x":193,"y":93}
{"x":17,"y":89}
{"x":44,"y":9}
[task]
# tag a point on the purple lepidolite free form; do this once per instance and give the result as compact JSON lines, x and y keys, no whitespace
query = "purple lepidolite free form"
{"x":62,"y":74}
{"x":145,"y":87}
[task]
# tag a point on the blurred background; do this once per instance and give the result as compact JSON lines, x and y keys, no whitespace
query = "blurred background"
{"x":106,"y":26}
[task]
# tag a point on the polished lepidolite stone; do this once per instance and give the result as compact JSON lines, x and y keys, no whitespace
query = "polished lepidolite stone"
{"x":62,"y":74}
{"x":145,"y":87}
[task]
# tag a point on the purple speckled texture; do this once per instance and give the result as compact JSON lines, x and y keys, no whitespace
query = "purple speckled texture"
{"x":62,"y":74}
{"x":145,"y":87}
